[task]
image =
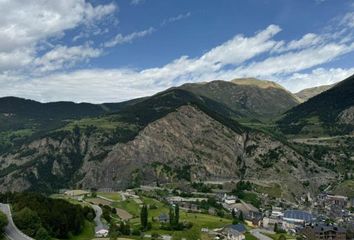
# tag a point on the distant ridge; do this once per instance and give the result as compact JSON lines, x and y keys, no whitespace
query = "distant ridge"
{"x":308,"y":93}
{"x":257,"y":82}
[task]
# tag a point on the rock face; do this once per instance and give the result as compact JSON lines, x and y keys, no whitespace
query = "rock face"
{"x":347,"y":116}
{"x":185,"y":145}
{"x":180,"y":135}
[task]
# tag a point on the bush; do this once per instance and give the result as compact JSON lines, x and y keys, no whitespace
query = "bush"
{"x":28,"y":221}
{"x":3,"y":222}
{"x":282,"y":237}
{"x":42,"y":234}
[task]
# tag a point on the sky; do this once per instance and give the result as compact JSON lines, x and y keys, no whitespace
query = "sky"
{"x":115,"y":50}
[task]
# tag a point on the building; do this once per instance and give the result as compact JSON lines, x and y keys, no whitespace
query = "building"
{"x":164,"y":218}
{"x":251,"y":214}
{"x":102,"y":233}
{"x":297,"y":216}
{"x":229,"y":199}
{"x":337,"y":200}
{"x":324,"y":232}
{"x":269,"y":222}
{"x":294,"y":218}
{"x":277,"y":212}
{"x":76,"y":194}
{"x":234,"y":232}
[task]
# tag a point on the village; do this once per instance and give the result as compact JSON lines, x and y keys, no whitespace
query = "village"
{"x":208,"y":211}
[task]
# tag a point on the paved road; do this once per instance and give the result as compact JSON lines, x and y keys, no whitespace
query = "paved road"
{"x":258,"y":234}
{"x":11,"y":231}
{"x":98,"y":221}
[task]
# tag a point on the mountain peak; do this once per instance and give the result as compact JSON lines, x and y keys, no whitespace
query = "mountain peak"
{"x":256,"y":82}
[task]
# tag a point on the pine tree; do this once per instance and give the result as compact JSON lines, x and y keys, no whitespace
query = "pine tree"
{"x":276,"y":227}
{"x":176,"y":215}
{"x":240,"y":217}
{"x":172,"y":216}
{"x":144,"y":217}
{"x":233,"y":213}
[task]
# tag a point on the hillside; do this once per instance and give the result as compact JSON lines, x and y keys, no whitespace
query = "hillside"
{"x":331,"y":112}
{"x":255,"y":100}
{"x":173,"y":136}
{"x":23,"y":120}
{"x":308,"y":93}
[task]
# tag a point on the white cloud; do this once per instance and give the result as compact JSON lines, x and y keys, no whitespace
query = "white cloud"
{"x":24,"y":25}
{"x":290,"y":63}
{"x":136,"y":2}
{"x":308,"y":40}
{"x":62,"y":56}
{"x":176,"y":18}
{"x":348,"y":20}
{"x":240,"y":48}
{"x":121,"y":39}
{"x":296,"y":61}
{"x":99,"y":85}
{"x":317,"y":77}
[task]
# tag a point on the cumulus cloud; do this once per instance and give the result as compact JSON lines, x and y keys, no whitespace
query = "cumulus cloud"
{"x":61,"y":57}
{"x":296,"y":63}
{"x":26,"y":24}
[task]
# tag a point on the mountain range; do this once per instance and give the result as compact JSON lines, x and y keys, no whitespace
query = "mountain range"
{"x":245,"y":129}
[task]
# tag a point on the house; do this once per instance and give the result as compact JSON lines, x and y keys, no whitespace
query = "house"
{"x":238,"y":227}
{"x":76,"y":194}
{"x":250,"y":213}
{"x":269,"y":222}
{"x":234,"y":232}
{"x":294,"y":218}
{"x":102,"y":233}
{"x":324,"y":232}
{"x":164,"y":218}
{"x":229,"y":199}
{"x":277,"y":212}
{"x":337,"y":200}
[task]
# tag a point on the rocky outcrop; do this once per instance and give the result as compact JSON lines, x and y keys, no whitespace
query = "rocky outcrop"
{"x":346,"y":116}
{"x":184,"y":145}
{"x":189,"y":140}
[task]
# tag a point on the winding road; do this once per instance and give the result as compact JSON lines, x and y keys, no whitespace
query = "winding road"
{"x":11,"y":231}
{"x":98,"y":221}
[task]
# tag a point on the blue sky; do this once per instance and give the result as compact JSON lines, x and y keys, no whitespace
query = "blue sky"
{"x":109,"y":51}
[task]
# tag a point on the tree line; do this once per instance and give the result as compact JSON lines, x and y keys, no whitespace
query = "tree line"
{"x":42,"y":217}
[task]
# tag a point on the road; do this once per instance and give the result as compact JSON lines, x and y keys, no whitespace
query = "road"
{"x":258,"y":234}
{"x":11,"y":231}
{"x":98,"y":221}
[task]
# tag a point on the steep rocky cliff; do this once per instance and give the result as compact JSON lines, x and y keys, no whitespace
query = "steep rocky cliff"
{"x":185,"y":145}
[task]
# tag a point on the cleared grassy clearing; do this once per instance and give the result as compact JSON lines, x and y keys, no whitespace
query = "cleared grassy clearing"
{"x":114,"y":196}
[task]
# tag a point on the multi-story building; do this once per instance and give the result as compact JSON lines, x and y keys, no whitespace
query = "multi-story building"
{"x":324,"y":232}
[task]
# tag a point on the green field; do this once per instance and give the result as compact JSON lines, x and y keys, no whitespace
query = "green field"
{"x":198,"y":220}
{"x":103,"y":123}
{"x":114,"y":196}
{"x":129,"y":205}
